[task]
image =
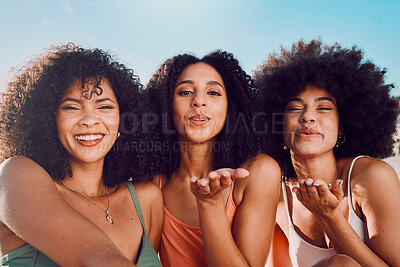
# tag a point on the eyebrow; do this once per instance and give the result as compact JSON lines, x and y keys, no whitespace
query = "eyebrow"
{"x":192,"y":82}
{"x":319,"y":99}
{"x":80,"y":101}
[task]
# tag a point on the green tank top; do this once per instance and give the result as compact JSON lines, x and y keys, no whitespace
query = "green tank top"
{"x":30,"y":256}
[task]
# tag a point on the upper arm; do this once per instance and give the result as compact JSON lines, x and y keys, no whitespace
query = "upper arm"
{"x":151,"y":203}
{"x":255,"y":216}
{"x":28,"y":194}
{"x":379,"y":194}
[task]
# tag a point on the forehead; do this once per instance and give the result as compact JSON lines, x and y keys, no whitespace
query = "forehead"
{"x":200,"y":71}
{"x":89,"y":89}
{"x":312,"y":93}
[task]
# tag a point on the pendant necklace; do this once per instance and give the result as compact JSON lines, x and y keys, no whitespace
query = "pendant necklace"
{"x":109,"y":218}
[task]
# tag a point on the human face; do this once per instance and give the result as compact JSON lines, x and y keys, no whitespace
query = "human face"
{"x":199,"y":103}
{"x":311,"y":122}
{"x":87,"y":128}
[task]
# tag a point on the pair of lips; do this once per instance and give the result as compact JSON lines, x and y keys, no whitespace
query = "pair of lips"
{"x":89,"y":139}
{"x":304,"y":132}
{"x":199,"y":119}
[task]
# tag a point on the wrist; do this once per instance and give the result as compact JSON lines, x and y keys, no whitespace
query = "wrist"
{"x":331,"y":218}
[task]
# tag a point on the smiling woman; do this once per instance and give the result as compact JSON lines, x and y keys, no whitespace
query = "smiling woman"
{"x":62,"y":168}
{"x":336,"y":197}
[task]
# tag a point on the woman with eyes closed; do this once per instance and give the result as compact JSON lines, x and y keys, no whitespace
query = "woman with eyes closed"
{"x":337,"y":116}
{"x":65,"y":197}
{"x":205,"y":110}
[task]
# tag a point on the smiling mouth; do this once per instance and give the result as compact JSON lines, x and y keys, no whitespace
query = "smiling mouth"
{"x":89,"y":139}
{"x":199,"y":120}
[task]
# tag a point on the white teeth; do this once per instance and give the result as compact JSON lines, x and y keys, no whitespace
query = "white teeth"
{"x":88,"y":137}
{"x":199,"y":119}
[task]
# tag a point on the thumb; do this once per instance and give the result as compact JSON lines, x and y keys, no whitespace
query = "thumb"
{"x":337,"y":189}
{"x":240,"y":173}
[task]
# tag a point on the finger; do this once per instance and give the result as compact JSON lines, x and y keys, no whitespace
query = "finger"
{"x":204,"y":187}
{"x":225,"y":179}
{"x":322,"y":187}
{"x":240,"y":173}
{"x":235,"y":174}
{"x":337,"y":189}
{"x":303,"y":189}
{"x":312,"y":189}
{"x":194,"y":187}
{"x":297,"y":191}
{"x":214,"y":181}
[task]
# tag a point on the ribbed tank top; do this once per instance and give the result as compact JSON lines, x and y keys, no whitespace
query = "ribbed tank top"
{"x":181,"y":243}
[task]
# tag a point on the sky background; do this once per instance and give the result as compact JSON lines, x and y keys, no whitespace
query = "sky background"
{"x":143,"y":34}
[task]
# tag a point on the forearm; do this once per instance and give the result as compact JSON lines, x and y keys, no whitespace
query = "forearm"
{"x":220,"y":247}
{"x":346,"y":241}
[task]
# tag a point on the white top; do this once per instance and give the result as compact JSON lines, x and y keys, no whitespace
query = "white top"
{"x":303,"y":253}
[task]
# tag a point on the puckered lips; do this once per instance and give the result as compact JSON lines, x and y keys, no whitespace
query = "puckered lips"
{"x":199,"y":120}
{"x":89,"y":139}
{"x":307,"y":133}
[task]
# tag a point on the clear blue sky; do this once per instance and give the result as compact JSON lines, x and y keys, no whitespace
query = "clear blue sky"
{"x":143,"y":33}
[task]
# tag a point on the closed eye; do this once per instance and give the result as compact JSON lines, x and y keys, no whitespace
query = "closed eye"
{"x":185,"y":92}
{"x":106,"y":107}
{"x":324,"y":108}
{"x":214,"y":93}
{"x":69,"y":108}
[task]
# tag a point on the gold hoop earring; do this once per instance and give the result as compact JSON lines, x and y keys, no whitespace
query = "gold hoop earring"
{"x":340,"y":140}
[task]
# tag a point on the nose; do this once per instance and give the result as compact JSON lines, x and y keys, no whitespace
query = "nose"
{"x":199,"y":100}
{"x":307,"y":116}
{"x":89,"y":119}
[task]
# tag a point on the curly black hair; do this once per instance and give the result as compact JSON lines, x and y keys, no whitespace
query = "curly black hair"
{"x":29,"y":105}
{"x":367,"y":113}
{"x":236,"y":142}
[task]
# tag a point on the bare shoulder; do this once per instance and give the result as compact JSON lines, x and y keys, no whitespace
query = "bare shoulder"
{"x":149,"y":194}
{"x":261,"y":163}
{"x":372,"y":181}
{"x":264,"y":178}
{"x":19,"y":163}
{"x":368,"y":171}
{"x":262,"y":167}
{"x":22,"y":171}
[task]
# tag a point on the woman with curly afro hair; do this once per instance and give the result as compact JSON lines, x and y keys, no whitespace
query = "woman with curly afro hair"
{"x":205,"y":112}
{"x":338,"y":118}
{"x":65,"y":194}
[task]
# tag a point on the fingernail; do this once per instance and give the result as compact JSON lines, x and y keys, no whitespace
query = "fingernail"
{"x":340,"y":184}
{"x":203,"y":182}
{"x":213,"y":175}
{"x":193,"y":179}
{"x":315,"y":184}
{"x":244,"y":172}
{"x":302,"y":181}
{"x":308,"y":183}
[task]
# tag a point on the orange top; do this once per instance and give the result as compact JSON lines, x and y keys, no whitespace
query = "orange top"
{"x":181,"y":243}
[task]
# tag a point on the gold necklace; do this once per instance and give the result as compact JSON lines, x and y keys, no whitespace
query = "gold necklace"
{"x":107,"y":211}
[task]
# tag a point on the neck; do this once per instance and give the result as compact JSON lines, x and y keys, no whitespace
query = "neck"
{"x":87,"y":178}
{"x":322,"y":167}
{"x":196,"y":159}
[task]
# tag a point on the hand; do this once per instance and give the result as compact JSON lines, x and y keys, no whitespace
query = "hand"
{"x":316,"y":196}
{"x":215,"y":182}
